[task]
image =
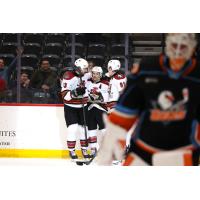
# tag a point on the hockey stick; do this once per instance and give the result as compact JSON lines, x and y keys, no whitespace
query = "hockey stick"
{"x":87,"y":161}
{"x":84,"y":117}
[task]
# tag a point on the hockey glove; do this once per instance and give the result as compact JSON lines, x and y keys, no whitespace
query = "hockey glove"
{"x":113,"y":145}
{"x":96,"y":97}
{"x":78,"y":91}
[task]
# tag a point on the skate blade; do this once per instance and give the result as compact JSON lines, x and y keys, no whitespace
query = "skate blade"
{"x":81,"y":162}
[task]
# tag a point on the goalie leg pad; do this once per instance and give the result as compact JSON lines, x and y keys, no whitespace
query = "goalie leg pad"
{"x":173,"y":158}
{"x":134,"y":160}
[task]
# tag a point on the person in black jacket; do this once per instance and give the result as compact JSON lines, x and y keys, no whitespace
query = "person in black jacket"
{"x":44,"y":80}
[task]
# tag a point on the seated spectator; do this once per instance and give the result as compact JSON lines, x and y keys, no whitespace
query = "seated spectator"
{"x":44,"y":79}
{"x":26,"y":92}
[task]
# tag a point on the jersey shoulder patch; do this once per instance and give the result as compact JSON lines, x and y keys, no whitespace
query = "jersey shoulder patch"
{"x":68,"y":75}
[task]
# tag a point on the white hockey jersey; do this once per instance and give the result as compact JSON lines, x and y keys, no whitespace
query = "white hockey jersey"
{"x":117,"y":84}
{"x":69,"y":83}
{"x":98,"y":94}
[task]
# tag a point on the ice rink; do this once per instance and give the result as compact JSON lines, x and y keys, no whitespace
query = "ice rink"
{"x":35,"y":179}
{"x":37,"y":162}
{"x":60,"y":179}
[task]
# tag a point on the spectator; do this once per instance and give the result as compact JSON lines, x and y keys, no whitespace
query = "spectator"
{"x":44,"y":79}
{"x":26,"y":93}
{"x":91,"y":64}
{"x":6,"y":71}
{"x":2,"y":90}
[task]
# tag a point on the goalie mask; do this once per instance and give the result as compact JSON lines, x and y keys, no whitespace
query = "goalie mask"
{"x":97,"y":73}
{"x":113,"y":66}
{"x":180,"y":48}
{"x":81,"y":66}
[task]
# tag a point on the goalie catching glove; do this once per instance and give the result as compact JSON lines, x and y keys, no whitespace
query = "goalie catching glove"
{"x":113,"y":145}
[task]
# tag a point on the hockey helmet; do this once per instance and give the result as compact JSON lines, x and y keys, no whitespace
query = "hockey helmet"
{"x":98,"y":69}
{"x":180,"y":47}
{"x":114,"y":65}
{"x":82,"y":63}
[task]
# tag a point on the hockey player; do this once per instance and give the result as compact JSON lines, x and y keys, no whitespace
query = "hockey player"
{"x":75,"y":99}
{"x":117,"y":82}
{"x":164,"y":98}
{"x":98,"y":96}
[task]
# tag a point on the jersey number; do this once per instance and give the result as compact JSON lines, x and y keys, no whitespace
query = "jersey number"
{"x":122,"y":84}
{"x":65,"y":85}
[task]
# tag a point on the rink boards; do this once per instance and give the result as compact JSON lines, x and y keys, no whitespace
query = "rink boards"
{"x":33,"y":131}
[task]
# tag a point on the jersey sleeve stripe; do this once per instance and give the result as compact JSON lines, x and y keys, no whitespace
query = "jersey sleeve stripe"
{"x":122,"y":121}
{"x":125,"y":110}
{"x":64,"y":92}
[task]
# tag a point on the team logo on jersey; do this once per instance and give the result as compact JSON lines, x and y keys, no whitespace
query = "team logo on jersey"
{"x":94,"y":90}
{"x":166,"y":108}
{"x":151,"y":80}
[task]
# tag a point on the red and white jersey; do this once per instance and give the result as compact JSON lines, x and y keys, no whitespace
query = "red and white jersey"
{"x":117,"y":84}
{"x":95,"y":88}
{"x":87,"y":75}
{"x":71,"y":82}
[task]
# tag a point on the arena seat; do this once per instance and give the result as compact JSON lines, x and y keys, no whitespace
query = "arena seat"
{"x":53,"y":48}
{"x":97,"y":59}
{"x":8,"y":48}
{"x":67,"y":60}
{"x":96,"y":49}
{"x":79,"y":49}
{"x":118,"y":49}
{"x":54,"y":60}
{"x":55,"y":38}
{"x":10,"y":37}
{"x":32,"y":48}
{"x":29,"y":60}
{"x":34,"y":38}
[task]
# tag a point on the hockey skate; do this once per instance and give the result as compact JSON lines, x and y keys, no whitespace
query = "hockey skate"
{"x":93,"y":152}
{"x":72,"y":154}
{"x":85,"y":153}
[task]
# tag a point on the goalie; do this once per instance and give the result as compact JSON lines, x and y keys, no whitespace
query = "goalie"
{"x":164,"y":103}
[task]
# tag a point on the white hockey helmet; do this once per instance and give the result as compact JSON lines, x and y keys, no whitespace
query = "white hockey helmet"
{"x":98,"y":69}
{"x":180,"y":45}
{"x":114,"y":65}
{"x":82,"y":63}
